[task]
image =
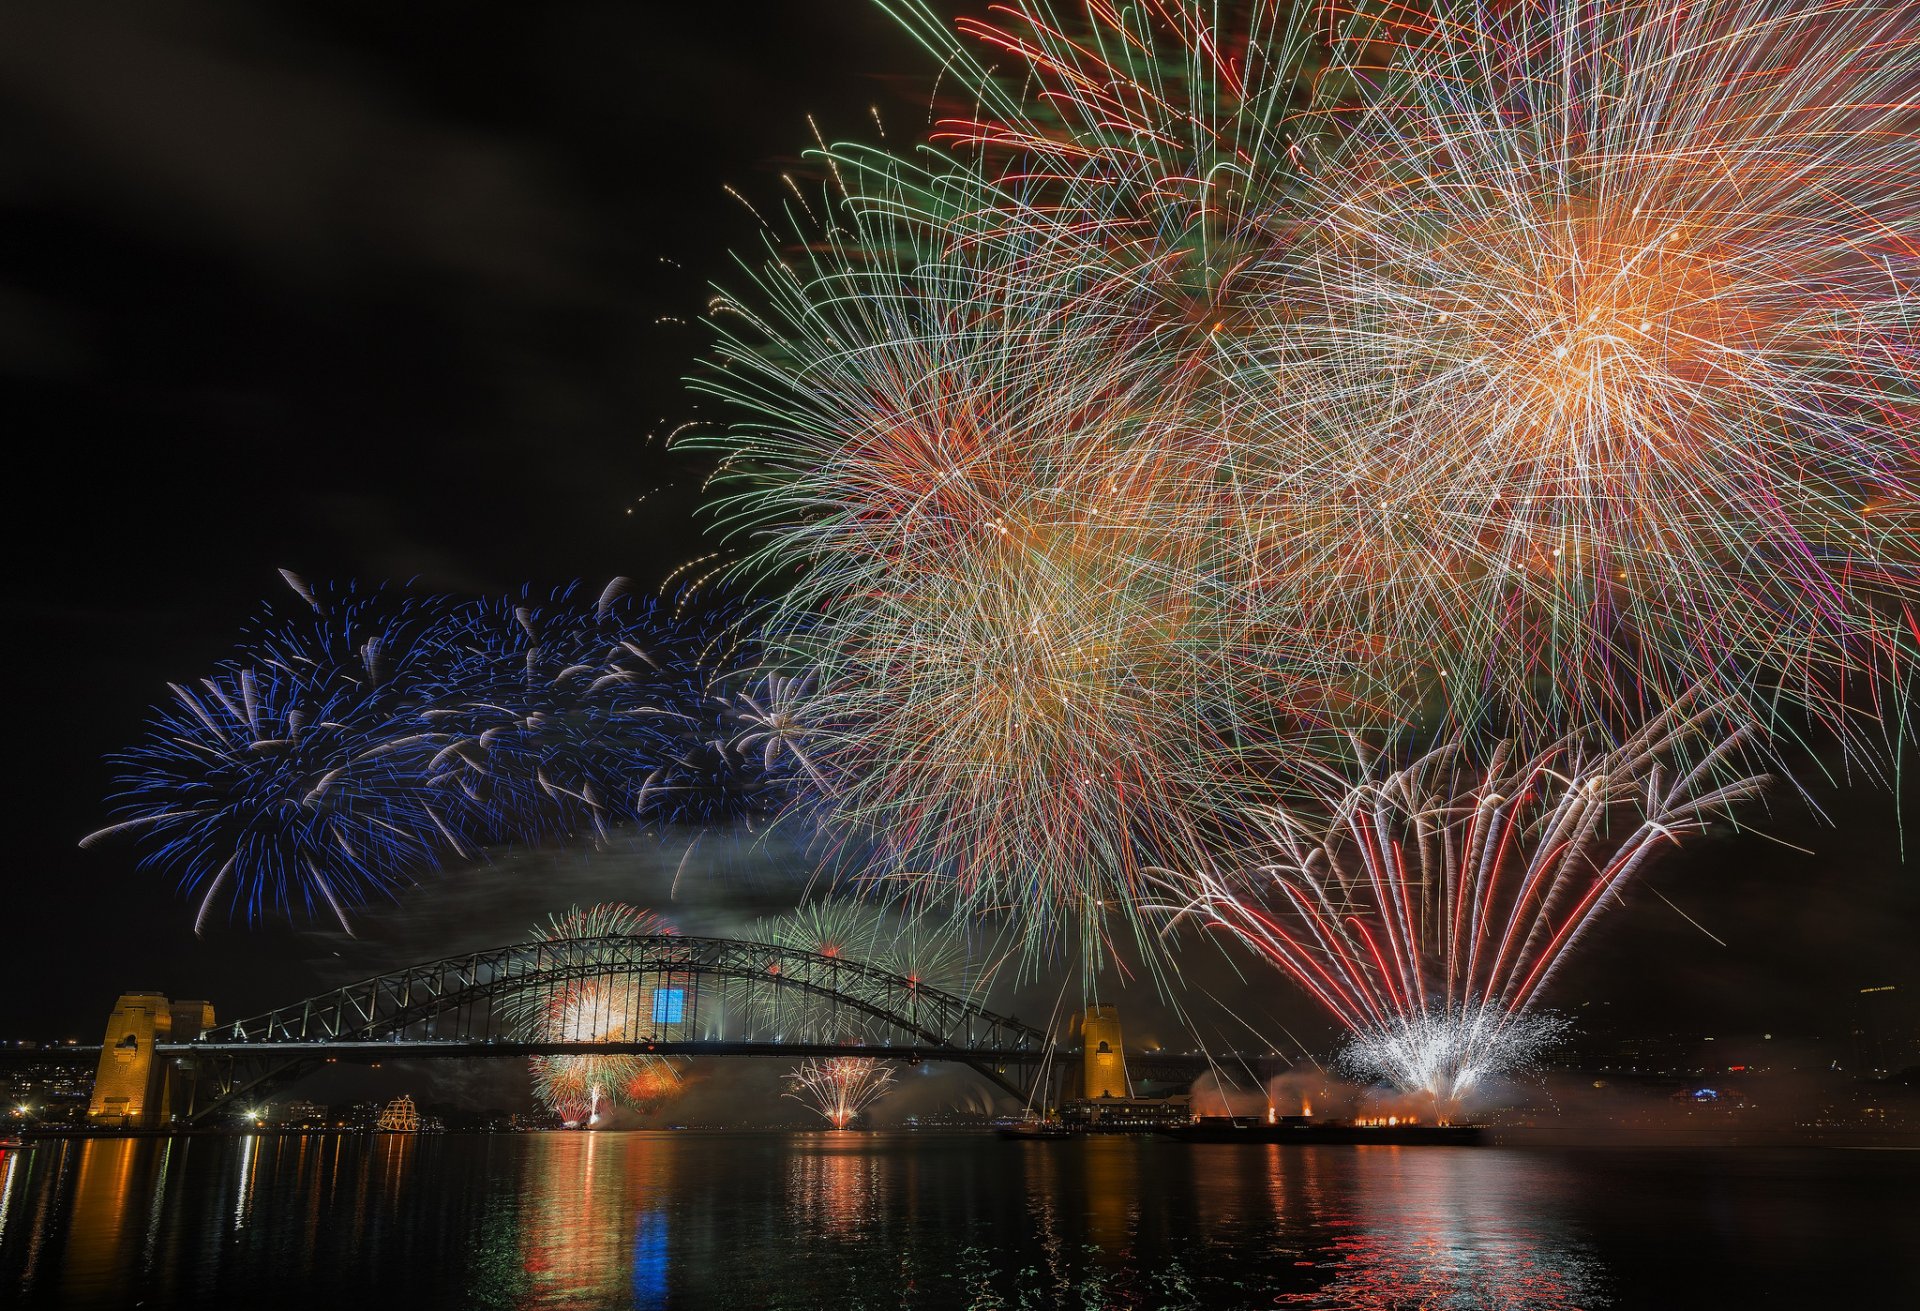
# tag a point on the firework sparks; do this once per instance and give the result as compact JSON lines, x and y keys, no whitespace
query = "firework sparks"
{"x":1028,"y":669}
{"x":295,"y":776}
{"x":1609,"y":332}
{"x":580,"y":1089}
{"x":373,"y":735}
{"x":1236,"y":375}
{"x":840,"y":928}
{"x":1427,"y":907}
{"x":840,"y":1087}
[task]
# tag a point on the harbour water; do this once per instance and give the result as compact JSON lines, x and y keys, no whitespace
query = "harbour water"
{"x":851,"y":1220}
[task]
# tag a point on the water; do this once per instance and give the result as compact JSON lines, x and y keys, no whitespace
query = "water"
{"x":914,"y":1220}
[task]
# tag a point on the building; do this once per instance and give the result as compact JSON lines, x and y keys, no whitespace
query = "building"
{"x":1882,"y":1030}
{"x":44,"y":1085}
{"x":302,"y":1113}
{"x":1126,"y":1114}
{"x":132,"y":1087}
{"x":1103,"y":1064}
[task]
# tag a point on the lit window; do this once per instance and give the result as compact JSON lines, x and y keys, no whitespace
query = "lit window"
{"x":669,"y":1005}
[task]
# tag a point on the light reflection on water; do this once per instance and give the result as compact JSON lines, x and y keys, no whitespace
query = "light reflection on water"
{"x":657,"y":1220}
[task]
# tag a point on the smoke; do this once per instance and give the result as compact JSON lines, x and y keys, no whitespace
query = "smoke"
{"x":1212,"y":1094}
{"x":1314,"y":1094}
{"x":715,"y":883}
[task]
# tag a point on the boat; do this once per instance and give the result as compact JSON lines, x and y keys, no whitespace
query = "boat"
{"x":1031,"y":1130}
{"x":1300,"y":1131}
{"x":14,"y":1144}
{"x":401,"y":1116}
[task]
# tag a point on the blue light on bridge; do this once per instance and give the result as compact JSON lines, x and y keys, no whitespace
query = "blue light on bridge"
{"x":669,"y":1005}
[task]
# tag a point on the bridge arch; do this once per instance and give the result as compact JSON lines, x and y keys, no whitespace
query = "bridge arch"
{"x":723,"y":997}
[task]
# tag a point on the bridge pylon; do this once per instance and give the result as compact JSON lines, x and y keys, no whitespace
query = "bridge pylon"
{"x":135,"y":1086}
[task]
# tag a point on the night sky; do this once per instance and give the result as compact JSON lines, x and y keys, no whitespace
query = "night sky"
{"x":406,"y":291}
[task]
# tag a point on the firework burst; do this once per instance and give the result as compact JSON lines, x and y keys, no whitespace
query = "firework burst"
{"x":590,"y":1008}
{"x":1004,"y":564}
{"x":1427,"y":907}
{"x":911,"y":948}
{"x":294,"y":778}
{"x":1227,"y":375}
{"x":372,"y":735}
{"x":1608,"y":339}
{"x":839,"y":1088}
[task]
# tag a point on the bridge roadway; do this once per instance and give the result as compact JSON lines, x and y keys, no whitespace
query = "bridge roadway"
{"x":361,"y":1052}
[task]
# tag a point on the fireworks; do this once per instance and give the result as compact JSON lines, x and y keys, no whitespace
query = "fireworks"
{"x":840,"y":1087}
{"x":590,"y":1008}
{"x":1009,"y":577}
{"x":1427,"y":907}
{"x":374,"y":735}
{"x":1234,"y":377}
{"x":295,"y":776}
{"x":1447,"y":1054}
{"x":564,"y":716}
{"x":861,"y":934}
{"x":1567,"y":357}
{"x":1609,"y":328}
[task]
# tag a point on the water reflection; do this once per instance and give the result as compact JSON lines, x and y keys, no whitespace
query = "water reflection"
{"x":592,"y":1223}
{"x":9,"y":1169}
{"x":1112,"y":1186}
{"x":650,"y":1260}
{"x":652,"y":1220}
{"x":1435,"y":1228}
{"x":835,"y":1186}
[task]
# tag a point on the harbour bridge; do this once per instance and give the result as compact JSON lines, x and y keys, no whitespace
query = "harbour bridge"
{"x":665,"y":994}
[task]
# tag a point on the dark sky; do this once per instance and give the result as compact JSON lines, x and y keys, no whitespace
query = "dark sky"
{"x":362,"y":290}
{"x":391,"y":291}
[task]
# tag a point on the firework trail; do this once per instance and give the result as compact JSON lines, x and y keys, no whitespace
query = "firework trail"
{"x":295,"y":776}
{"x":1609,"y":337}
{"x":369,"y":736}
{"x":1427,"y":907}
{"x":920,"y":950}
{"x":1004,"y":567}
{"x":839,"y":1087}
{"x":590,"y":1008}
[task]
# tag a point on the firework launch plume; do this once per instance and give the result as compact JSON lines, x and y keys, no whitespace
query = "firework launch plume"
{"x":839,"y":1088}
{"x":1427,"y":907}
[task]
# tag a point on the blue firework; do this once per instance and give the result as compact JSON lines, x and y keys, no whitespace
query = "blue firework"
{"x":294,"y":776}
{"x":364,"y":737}
{"x":556,"y":710}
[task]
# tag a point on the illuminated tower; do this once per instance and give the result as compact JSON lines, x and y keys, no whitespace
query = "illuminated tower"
{"x":131,"y":1088}
{"x":128,"y":1089}
{"x":1104,"y":1065}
